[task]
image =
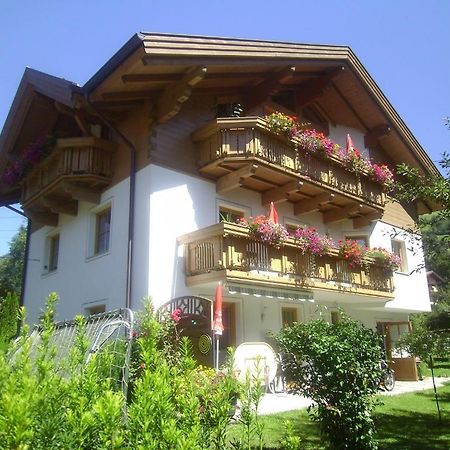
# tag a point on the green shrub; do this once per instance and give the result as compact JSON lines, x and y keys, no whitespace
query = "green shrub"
{"x":337,"y":366}
{"x":46,"y":403}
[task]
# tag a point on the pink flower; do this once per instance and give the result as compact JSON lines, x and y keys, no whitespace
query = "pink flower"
{"x":176,"y":315}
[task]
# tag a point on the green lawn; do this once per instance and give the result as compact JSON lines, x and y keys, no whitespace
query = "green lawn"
{"x":407,"y":421}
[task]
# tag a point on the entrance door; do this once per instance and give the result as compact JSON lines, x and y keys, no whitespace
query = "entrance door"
{"x":404,"y":365}
{"x":228,"y":338}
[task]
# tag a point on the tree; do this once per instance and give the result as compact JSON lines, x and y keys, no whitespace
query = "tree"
{"x":11,"y":265}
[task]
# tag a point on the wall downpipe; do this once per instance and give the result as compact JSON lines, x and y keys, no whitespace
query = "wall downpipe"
{"x":132,"y":196}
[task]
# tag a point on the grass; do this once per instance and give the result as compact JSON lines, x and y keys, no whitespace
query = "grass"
{"x":405,"y":422}
{"x":441,"y":368}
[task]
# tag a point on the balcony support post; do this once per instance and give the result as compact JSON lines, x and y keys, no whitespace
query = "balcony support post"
{"x":366,"y":220}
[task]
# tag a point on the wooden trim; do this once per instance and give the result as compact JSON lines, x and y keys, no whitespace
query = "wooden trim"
{"x":170,"y":101}
{"x":281,"y":193}
{"x":372,"y":136}
{"x":337,"y":214}
{"x":235,"y":179}
{"x":313,"y":204}
{"x":366,"y":220}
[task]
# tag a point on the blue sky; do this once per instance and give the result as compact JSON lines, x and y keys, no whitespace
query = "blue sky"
{"x":403,"y":44}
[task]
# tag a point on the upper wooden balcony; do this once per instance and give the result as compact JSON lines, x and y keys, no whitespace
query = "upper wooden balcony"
{"x":226,"y":252}
{"x":242,"y":151}
{"x":77,"y":169}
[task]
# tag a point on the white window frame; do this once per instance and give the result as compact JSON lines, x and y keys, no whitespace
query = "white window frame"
{"x":47,"y":251}
{"x":246,"y":211}
{"x":92,"y":230}
{"x":298,"y":307}
{"x":89,"y":306}
{"x":403,"y":269}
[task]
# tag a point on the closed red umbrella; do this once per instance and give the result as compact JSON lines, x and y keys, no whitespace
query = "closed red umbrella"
{"x":273,"y":215}
{"x":217,"y":323}
{"x":349,"y":146}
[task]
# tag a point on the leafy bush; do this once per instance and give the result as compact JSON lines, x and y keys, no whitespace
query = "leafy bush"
{"x":46,"y":403}
{"x":338,"y":367}
{"x":9,"y":317}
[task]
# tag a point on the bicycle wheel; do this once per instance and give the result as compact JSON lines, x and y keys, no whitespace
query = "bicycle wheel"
{"x":389,"y":380}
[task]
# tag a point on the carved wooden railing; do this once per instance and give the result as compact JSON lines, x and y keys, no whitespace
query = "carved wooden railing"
{"x":230,"y":249}
{"x":237,"y":139}
{"x":85,"y":160}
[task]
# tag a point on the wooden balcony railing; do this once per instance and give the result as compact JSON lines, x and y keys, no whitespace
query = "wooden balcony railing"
{"x":226,"y":251}
{"x":84,"y":162}
{"x":227,"y":144}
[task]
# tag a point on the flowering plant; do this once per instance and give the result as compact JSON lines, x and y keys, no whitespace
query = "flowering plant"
{"x":31,"y":155}
{"x":353,"y":159}
{"x":282,"y":124}
{"x":266,"y":230}
{"x":383,"y":175}
{"x":309,"y":240}
{"x":316,"y":142}
{"x":385,"y":258}
{"x":352,"y":252}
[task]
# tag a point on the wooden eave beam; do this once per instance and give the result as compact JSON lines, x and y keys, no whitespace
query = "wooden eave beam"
{"x":366,"y":220}
{"x":313,"y":204}
{"x":235,"y":179}
{"x":50,"y":219}
{"x":172,"y":98}
{"x":81,"y":193}
{"x":337,"y":214}
{"x":310,"y":90}
{"x":281,"y":194}
{"x":371,"y":137}
{"x":263,"y":91}
{"x":79,"y":118}
{"x":61,"y":207}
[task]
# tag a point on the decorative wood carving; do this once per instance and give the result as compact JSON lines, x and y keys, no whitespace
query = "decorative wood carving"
{"x":337,"y":214}
{"x":281,"y":193}
{"x":313,"y":204}
{"x":235,"y":179}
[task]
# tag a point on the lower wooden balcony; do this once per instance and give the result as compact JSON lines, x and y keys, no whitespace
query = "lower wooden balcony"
{"x":77,"y":169}
{"x":243,"y":152}
{"x":226,"y":252}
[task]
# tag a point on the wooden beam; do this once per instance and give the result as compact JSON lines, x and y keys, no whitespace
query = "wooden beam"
{"x":280,"y":194}
{"x":81,"y":193}
{"x":61,"y":207}
{"x":77,"y":115}
{"x":171,"y":99}
{"x":49,"y":219}
{"x":310,"y":90}
{"x":263,"y":91}
{"x":313,"y":204}
{"x":350,"y":107}
{"x":235,"y":179}
{"x":171,"y":76}
{"x":131,"y":95}
{"x":337,"y":214}
{"x":371,"y":137}
{"x":365,"y":221}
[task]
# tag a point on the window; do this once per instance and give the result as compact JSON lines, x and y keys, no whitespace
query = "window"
{"x":361,"y":239}
{"x":289,"y":315}
{"x":399,"y":249}
{"x":95,"y":309}
{"x":227,"y":214}
{"x":335,"y":317}
{"x":102,"y":231}
{"x":53,"y":253}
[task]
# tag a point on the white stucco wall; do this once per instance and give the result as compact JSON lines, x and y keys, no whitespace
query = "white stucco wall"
{"x":80,"y":280}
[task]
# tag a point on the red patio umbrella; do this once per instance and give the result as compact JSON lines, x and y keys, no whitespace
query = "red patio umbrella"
{"x":217,"y":322}
{"x":273,"y":215}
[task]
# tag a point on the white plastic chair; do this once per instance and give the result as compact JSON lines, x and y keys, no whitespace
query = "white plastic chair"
{"x":257,"y":360}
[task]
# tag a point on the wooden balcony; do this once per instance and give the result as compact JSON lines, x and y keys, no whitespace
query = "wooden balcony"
{"x":77,"y":169}
{"x":227,"y":252}
{"x":243,"y":152}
